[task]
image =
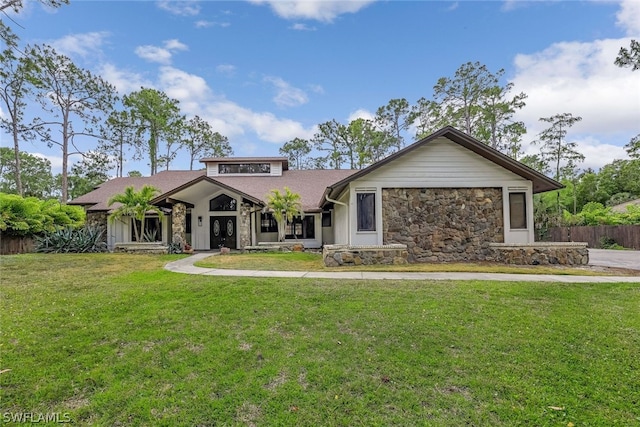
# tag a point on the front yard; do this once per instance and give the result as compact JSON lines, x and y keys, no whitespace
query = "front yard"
{"x":109,"y":339}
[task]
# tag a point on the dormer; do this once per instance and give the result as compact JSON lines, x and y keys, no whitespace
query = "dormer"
{"x":245,"y":166}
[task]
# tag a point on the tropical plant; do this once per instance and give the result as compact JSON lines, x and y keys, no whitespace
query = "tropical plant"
{"x":23,"y":216}
{"x":88,"y":239}
{"x":284,"y":206}
{"x":135,"y":204}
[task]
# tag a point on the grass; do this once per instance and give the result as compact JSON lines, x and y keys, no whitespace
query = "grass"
{"x":112,"y":339}
{"x":309,"y":261}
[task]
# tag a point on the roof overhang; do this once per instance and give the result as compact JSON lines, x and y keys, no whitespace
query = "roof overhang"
{"x":541,"y":182}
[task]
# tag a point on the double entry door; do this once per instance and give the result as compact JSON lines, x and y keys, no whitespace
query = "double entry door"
{"x":223,"y":232}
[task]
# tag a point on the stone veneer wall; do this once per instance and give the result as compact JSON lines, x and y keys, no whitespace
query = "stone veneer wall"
{"x":98,"y":219}
{"x":179,"y":224}
{"x":542,"y":253}
{"x":443,"y":224}
{"x":244,"y":225}
{"x":345,"y":255}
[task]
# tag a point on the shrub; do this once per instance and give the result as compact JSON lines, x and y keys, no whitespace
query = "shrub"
{"x":23,"y":216}
{"x":72,"y":240}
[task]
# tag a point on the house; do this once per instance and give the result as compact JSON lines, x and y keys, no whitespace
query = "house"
{"x":446,"y":197}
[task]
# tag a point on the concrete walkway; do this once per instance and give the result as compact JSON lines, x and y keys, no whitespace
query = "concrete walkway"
{"x":186,"y":266}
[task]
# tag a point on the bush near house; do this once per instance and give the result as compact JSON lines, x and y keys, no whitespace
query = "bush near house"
{"x":23,"y":218}
{"x":27,"y":216}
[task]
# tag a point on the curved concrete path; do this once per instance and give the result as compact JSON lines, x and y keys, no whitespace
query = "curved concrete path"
{"x":186,"y":266}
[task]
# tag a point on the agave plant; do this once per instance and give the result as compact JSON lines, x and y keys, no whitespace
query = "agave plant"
{"x":72,"y":240}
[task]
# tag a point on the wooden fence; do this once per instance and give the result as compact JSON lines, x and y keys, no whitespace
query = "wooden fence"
{"x":10,"y":245}
{"x":627,"y":236}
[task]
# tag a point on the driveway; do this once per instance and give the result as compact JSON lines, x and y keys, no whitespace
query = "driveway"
{"x":611,"y":258}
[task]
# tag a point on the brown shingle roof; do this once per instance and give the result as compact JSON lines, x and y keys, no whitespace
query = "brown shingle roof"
{"x":310,"y":184}
{"x":164,"y":181}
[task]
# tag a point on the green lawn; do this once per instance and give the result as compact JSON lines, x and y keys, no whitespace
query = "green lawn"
{"x":112,"y":339}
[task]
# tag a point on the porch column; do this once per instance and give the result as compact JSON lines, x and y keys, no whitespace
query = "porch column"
{"x":178,"y":223}
{"x":244,"y":226}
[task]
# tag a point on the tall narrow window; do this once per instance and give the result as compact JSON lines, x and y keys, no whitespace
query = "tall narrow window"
{"x":366,"y":211}
{"x":518,"y":210}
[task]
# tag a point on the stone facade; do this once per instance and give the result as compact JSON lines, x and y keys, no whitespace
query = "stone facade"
{"x":275,"y":247}
{"x":244,"y":225}
{"x":178,"y":224}
{"x":541,"y":253}
{"x":344,"y":255}
{"x":443,"y":224}
{"x":141,"y":248}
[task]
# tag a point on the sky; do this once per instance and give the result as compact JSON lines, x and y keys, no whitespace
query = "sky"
{"x":264,"y":72}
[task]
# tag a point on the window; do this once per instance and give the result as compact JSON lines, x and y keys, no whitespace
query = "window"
{"x":518,"y":210}
{"x":301,"y":228}
{"x":230,"y":168}
{"x":152,"y":230}
{"x":366,"y":211}
{"x":326,"y":219}
{"x":268,"y":223}
{"x":187,"y":227}
{"x":222,"y":203}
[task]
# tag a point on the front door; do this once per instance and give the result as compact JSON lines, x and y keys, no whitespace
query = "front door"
{"x":223,"y":231}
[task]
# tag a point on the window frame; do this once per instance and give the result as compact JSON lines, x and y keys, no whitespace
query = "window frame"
{"x":521,"y":213}
{"x":365,"y":220}
{"x":272,"y":226}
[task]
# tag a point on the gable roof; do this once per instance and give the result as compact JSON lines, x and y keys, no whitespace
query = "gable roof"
{"x":310,"y":184}
{"x":541,"y":182}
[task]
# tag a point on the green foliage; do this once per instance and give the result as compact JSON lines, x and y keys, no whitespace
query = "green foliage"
{"x":284,"y":206}
{"x":200,"y":140}
{"x":594,"y":213}
{"x":35,"y":172}
{"x":88,"y":239}
{"x":135,"y":204}
{"x":28,"y":216}
{"x":629,"y":58}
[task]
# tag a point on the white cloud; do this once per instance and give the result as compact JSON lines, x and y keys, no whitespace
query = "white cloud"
{"x":81,"y":44}
{"x":226,"y":117}
{"x":207,"y":24}
{"x":361,"y":114}
{"x":175,"y":44}
{"x":180,"y":7}
{"x":286,"y":95}
{"x":628,"y":17}
{"x":154,"y":54}
{"x":189,"y":89}
{"x":226,"y":69}
{"x":124,"y":81}
{"x":302,"y":27}
{"x":319,"y":10}
{"x":161,"y":55}
{"x":581,"y":79}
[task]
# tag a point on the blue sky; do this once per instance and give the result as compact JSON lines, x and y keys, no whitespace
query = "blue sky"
{"x":265,"y":72}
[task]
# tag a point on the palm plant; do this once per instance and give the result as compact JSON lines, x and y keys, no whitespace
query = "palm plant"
{"x":135,"y":204}
{"x":284,"y":206}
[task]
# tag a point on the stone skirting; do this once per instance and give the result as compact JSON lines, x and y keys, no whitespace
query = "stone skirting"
{"x":541,"y":253}
{"x":141,"y":248}
{"x":275,"y":247}
{"x":344,"y":255}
